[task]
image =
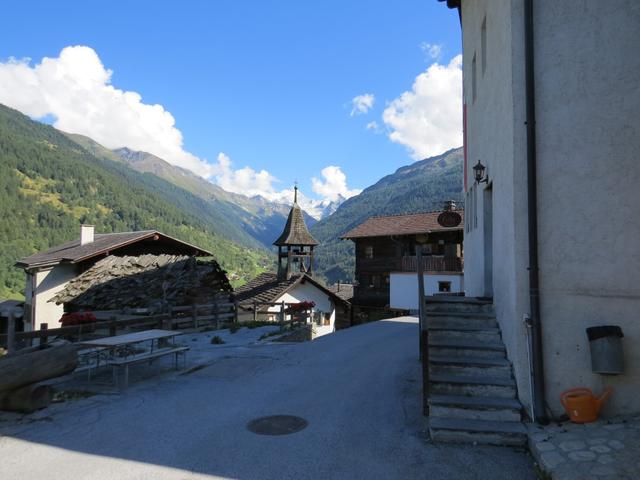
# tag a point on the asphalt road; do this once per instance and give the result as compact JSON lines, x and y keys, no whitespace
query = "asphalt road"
{"x":358,"y":389}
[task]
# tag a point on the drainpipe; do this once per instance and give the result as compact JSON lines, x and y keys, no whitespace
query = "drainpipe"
{"x":537,"y":367}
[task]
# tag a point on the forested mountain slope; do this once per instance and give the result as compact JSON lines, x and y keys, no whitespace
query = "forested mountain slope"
{"x":49,"y":185}
{"x":421,"y":186}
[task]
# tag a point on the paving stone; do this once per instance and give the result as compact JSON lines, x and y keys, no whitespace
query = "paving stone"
{"x":600,"y":449}
{"x":605,"y":459}
{"x":613,"y":426}
{"x":545,"y":446}
{"x":618,"y":445}
{"x":539,"y":437}
{"x":550,"y":460}
{"x":582,"y":456}
{"x":572,"y":445}
{"x":603,"y":470}
{"x":596,"y":441}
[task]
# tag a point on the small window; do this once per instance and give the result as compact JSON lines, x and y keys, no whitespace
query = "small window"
{"x":327,"y":319}
{"x":483,"y":45}
{"x":444,"y":287}
{"x":473,"y":79}
{"x":368,"y":251}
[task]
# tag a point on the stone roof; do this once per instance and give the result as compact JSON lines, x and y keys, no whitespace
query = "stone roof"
{"x":73,"y":252}
{"x":343,"y":290}
{"x":407,"y":224}
{"x":143,"y":281}
{"x":267,"y":288}
{"x":264,"y":288}
{"x":295,"y":231}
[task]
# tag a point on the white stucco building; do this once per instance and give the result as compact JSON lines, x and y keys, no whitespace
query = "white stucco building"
{"x":49,"y":272}
{"x":265,"y":296}
{"x":563,"y":100}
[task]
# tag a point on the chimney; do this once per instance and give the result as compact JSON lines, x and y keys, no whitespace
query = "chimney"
{"x":86,"y":234}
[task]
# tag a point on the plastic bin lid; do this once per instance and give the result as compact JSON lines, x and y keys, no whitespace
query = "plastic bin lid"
{"x":595,"y":333}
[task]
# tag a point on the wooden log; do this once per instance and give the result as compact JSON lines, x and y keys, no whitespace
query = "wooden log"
{"x":27,"y":399}
{"x":20,"y":370}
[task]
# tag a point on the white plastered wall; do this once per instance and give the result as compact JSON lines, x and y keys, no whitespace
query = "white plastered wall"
{"x":309,"y":292}
{"x":587,"y":105}
{"x":48,"y":282}
{"x":403,"y":288}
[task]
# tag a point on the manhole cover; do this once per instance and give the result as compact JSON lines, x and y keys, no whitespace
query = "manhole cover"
{"x":277,"y":425}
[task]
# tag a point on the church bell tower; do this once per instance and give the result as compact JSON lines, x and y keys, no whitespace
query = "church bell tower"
{"x":295,"y":245}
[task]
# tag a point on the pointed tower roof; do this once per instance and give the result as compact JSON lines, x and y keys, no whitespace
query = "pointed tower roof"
{"x":295,"y":231}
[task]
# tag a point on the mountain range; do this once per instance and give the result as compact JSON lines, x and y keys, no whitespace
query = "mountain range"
{"x":421,"y":186}
{"x":52,"y":181}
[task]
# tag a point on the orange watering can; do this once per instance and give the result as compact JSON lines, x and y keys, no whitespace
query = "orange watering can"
{"x":582,"y":405}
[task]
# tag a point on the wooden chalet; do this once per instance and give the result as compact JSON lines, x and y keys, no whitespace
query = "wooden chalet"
{"x":386,"y":260}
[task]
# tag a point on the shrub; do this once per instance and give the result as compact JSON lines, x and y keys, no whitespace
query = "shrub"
{"x":217,"y":340}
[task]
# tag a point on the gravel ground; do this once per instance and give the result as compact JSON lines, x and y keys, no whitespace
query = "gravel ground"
{"x":358,"y":389}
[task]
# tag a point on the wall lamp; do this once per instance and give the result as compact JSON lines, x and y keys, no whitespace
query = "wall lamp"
{"x":479,"y":173}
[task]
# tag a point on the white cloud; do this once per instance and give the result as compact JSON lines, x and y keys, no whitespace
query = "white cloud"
{"x":246,"y":180}
{"x":249,"y":182}
{"x":374,"y":127}
{"x":428,"y":119}
{"x":334,"y":186}
{"x":76,"y":89}
{"x":434,"y":51}
{"x":362,"y":103}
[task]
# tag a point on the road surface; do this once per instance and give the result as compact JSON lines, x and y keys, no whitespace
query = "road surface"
{"x":358,"y":389}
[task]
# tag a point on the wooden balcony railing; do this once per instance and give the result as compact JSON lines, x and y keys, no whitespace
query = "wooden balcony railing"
{"x":433,"y":264}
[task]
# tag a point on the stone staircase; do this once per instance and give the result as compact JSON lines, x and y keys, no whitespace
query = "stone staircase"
{"x":472,"y":393}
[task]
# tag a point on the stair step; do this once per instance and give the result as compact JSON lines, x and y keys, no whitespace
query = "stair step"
{"x":470,"y":315}
{"x":462,"y":430}
{"x":472,"y":380}
{"x":469,"y":361}
{"x":477,"y":425}
{"x":475,"y":402}
{"x":443,"y":326}
{"x":472,"y":336}
{"x":467,"y":344}
{"x":490,"y":371}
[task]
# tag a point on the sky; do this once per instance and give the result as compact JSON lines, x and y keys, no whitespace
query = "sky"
{"x":252,"y":95}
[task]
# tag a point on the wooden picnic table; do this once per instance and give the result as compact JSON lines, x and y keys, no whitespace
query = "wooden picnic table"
{"x":120,"y":352}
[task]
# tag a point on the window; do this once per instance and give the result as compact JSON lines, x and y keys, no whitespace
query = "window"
{"x":444,"y":287}
{"x":368,"y":251}
{"x":473,"y":79}
{"x":327,"y":319}
{"x":475,"y":207}
{"x":483,"y":44}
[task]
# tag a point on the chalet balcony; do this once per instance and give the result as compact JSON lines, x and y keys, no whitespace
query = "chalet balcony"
{"x":433,"y":263}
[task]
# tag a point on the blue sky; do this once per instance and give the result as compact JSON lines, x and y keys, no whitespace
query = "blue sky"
{"x":270,"y":84}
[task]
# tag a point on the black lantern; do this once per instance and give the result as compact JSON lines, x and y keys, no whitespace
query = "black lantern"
{"x":479,"y":173}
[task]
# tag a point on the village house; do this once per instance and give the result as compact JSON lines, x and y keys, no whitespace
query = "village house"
{"x":263,"y":297}
{"x":551,"y":103}
{"x":386,"y":258}
{"x":49,"y":272}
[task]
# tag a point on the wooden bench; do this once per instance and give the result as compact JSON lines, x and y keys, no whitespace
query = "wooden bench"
{"x":86,"y":359}
{"x":125,"y":362}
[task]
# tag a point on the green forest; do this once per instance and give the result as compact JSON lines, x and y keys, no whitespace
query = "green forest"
{"x":49,"y":185}
{"x":419,"y":187}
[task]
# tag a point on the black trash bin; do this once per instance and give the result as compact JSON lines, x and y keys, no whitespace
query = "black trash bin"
{"x":606,"y":349}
